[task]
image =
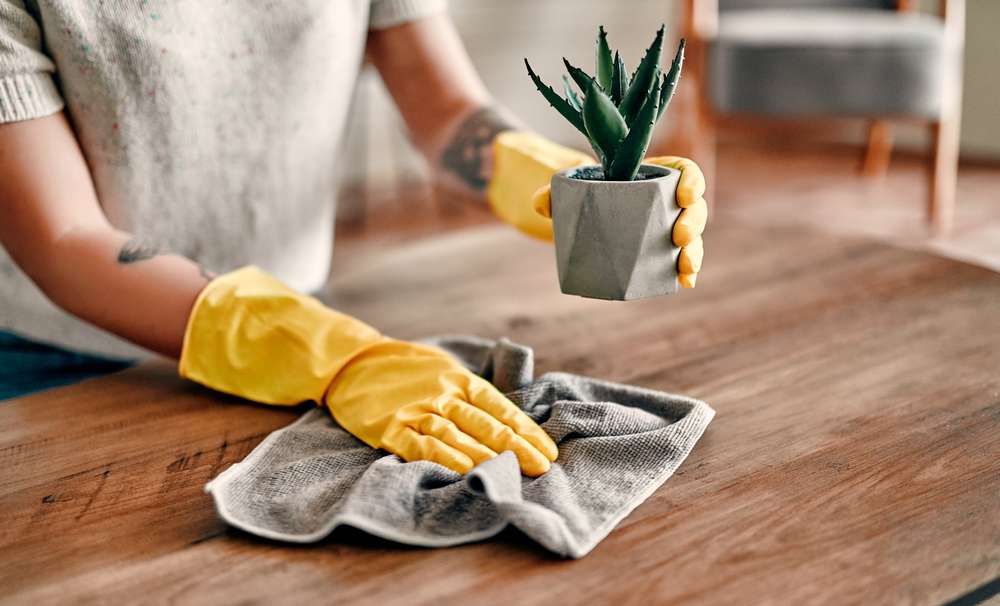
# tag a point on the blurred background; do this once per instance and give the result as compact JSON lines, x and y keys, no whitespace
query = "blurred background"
{"x":864,"y":160}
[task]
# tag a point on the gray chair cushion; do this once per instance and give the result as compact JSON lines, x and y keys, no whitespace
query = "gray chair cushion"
{"x":819,"y":62}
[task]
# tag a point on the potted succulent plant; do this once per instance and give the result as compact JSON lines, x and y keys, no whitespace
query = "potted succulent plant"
{"x":612,"y":221}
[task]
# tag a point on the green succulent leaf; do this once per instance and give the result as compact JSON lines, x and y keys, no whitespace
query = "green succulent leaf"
{"x":571,"y":95}
{"x":626,"y":78}
{"x":605,"y":126}
{"x":616,"y":112}
{"x":618,"y":80}
{"x":646,"y":76}
{"x":672,"y":78}
{"x":604,"y":63}
{"x":632,"y":150}
{"x":659,"y":91}
{"x":582,"y":78}
{"x":562,"y":106}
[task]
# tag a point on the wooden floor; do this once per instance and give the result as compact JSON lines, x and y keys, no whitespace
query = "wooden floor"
{"x":819,"y":187}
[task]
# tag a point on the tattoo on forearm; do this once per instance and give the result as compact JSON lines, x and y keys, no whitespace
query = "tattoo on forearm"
{"x":469,"y":152}
{"x":136,"y":250}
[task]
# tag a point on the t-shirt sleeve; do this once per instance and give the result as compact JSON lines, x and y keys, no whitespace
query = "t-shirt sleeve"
{"x":27,"y":89}
{"x":389,"y":13}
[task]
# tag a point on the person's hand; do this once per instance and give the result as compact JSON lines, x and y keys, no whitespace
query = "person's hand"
{"x":690,"y":225}
{"x":522,"y":162}
{"x":252,"y":336}
{"x":519,"y":192}
{"x":420,"y":403}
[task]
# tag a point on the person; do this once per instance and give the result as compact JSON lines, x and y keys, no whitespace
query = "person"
{"x":144,"y":145}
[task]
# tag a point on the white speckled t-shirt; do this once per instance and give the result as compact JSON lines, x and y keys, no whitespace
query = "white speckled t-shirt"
{"x":211,"y":127}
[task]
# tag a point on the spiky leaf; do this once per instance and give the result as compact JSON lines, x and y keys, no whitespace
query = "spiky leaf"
{"x":618,"y":80}
{"x":672,"y":78}
{"x":646,"y":75}
{"x":582,"y":78}
{"x":604,"y":62}
{"x":626,"y":78}
{"x":571,"y":95}
{"x":659,"y":91}
{"x":605,"y":126}
{"x":562,"y":106}
{"x":632,"y":150}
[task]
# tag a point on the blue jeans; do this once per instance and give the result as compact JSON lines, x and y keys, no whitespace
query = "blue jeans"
{"x":27,"y":366}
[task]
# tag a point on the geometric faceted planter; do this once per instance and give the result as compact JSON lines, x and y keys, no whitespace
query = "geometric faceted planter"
{"x":613,"y":238}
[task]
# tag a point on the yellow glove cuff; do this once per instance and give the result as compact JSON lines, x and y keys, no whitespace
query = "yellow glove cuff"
{"x":251,"y":336}
{"x":522,"y":163}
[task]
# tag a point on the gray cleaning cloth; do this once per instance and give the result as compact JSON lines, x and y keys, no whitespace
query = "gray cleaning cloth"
{"x":617,"y":444}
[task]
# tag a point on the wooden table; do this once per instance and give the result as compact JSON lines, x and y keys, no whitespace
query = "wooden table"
{"x":854,"y":458}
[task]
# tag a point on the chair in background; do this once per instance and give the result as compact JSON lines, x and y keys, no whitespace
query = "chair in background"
{"x":877,"y":60}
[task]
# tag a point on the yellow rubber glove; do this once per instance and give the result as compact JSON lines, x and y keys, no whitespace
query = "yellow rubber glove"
{"x":690,"y":225}
{"x":252,"y":336}
{"x":523,"y":162}
{"x":519,"y":192}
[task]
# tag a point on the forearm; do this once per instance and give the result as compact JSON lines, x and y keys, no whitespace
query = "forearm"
{"x":116,"y":282}
{"x":54,"y":229}
{"x":450,"y":115}
{"x":467,"y":153}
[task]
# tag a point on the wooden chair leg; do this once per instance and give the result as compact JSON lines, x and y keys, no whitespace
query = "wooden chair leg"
{"x":695,"y":136}
{"x":944,"y":175}
{"x":945,"y":133}
{"x":879,"y":150}
{"x":692,"y":136}
{"x":693,"y":129}
{"x":705,"y":154}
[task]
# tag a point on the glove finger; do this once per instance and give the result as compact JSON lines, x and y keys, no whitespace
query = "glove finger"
{"x":496,"y":435}
{"x":691,"y":186}
{"x":690,"y":224}
{"x":488,"y":398}
{"x":413,"y":446}
{"x":687,"y":280}
{"x":541,"y":201}
{"x":689,"y":261}
{"x":449,"y":433}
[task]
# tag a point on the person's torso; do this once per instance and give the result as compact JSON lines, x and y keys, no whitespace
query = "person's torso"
{"x":210,"y":128}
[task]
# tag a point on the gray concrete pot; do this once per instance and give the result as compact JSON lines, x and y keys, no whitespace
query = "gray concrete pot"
{"x":613,"y":238}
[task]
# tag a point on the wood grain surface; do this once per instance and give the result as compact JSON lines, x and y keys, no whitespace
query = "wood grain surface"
{"x":854,"y":457}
